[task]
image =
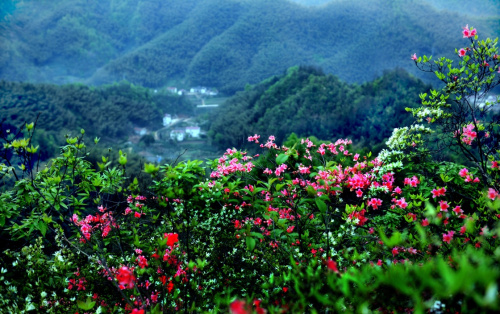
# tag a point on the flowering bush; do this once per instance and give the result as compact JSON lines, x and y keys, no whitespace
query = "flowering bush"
{"x":463,"y":110}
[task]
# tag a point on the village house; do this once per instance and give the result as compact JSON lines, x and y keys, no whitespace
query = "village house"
{"x":167,"y":119}
{"x":172,"y":89}
{"x":178,"y":135}
{"x":193,"y":131}
{"x":140,"y":131}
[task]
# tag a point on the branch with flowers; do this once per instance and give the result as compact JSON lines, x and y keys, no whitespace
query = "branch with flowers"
{"x":464,"y":114}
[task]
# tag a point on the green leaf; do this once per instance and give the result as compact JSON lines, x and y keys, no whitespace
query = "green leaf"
{"x":250,"y":243}
{"x":156,"y":309}
{"x":281,"y":159}
{"x":321,"y":205}
{"x":87,"y":305}
{"x":42,"y":226}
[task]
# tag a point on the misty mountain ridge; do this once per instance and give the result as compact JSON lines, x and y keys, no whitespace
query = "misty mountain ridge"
{"x":221,"y":43}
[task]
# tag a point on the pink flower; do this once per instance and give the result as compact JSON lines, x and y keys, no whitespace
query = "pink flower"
{"x":438,"y":192}
{"x":359,"y":193}
{"x":447,"y":237}
{"x":414,"y":57}
{"x":458,"y":210}
{"x":142,"y":261}
{"x":462,"y":229}
{"x":290,"y":229}
{"x":461,"y":52}
{"x":137,"y":215}
{"x":492,"y":194}
{"x":375,"y":203}
{"x":463,"y":172}
{"x":425,"y":222}
{"x":254,"y":138}
{"x":280,"y":169}
{"x":443,"y":206}
{"x":468,"y":32}
{"x":402,"y":203}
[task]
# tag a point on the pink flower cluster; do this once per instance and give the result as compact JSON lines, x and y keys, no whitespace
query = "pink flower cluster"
{"x":438,"y":192}
{"x":469,"y":32}
{"x":413,"y":181}
{"x":447,"y":237}
{"x":103,"y":222}
{"x":464,"y":173}
{"x":226,"y":167}
{"x":254,"y":138}
{"x":468,"y":134}
{"x":374,"y":203}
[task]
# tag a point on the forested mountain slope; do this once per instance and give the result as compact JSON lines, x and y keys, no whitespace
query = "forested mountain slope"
{"x":220,"y":43}
{"x":307,"y":102}
{"x":478,"y":7}
{"x":109,"y":112}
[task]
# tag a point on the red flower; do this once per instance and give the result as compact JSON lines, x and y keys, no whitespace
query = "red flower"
{"x":172,"y":238}
{"x":239,"y":307}
{"x":170,"y":286}
{"x":125,"y":277}
{"x":425,"y":222}
{"x":136,"y":311}
{"x":331,"y":265}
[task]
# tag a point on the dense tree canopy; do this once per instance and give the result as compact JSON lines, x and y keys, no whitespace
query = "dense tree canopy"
{"x":225,"y":44}
{"x":110,"y":112}
{"x":308,"y":102}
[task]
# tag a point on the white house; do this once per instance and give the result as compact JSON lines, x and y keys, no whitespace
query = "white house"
{"x":172,"y":89}
{"x":140,"y":131}
{"x":167,"y":119}
{"x":193,"y":131}
{"x":178,"y":135}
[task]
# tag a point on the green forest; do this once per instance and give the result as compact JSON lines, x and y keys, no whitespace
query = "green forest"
{"x":307,"y":102}
{"x":109,"y":112}
{"x":225,"y":44}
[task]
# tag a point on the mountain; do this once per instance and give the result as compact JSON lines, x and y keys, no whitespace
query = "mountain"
{"x":477,"y":8}
{"x":307,"y":102}
{"x":221,"y":43}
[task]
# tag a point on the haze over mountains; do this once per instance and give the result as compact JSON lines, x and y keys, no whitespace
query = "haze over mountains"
{"x":225,"y":43}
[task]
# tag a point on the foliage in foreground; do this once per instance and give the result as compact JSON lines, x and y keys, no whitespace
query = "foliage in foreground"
{"x":308,"y":227}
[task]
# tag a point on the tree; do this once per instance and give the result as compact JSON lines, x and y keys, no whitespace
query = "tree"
{"x":462,"y":111}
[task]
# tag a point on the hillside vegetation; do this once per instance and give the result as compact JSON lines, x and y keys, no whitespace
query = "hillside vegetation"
{"x":220,"y":43}
{"x":309,"y":103}
{"x":110,"y":111}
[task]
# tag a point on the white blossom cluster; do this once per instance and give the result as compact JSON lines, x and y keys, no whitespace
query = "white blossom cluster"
{"x":423,"y":113}
{"x":405,"y":136}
